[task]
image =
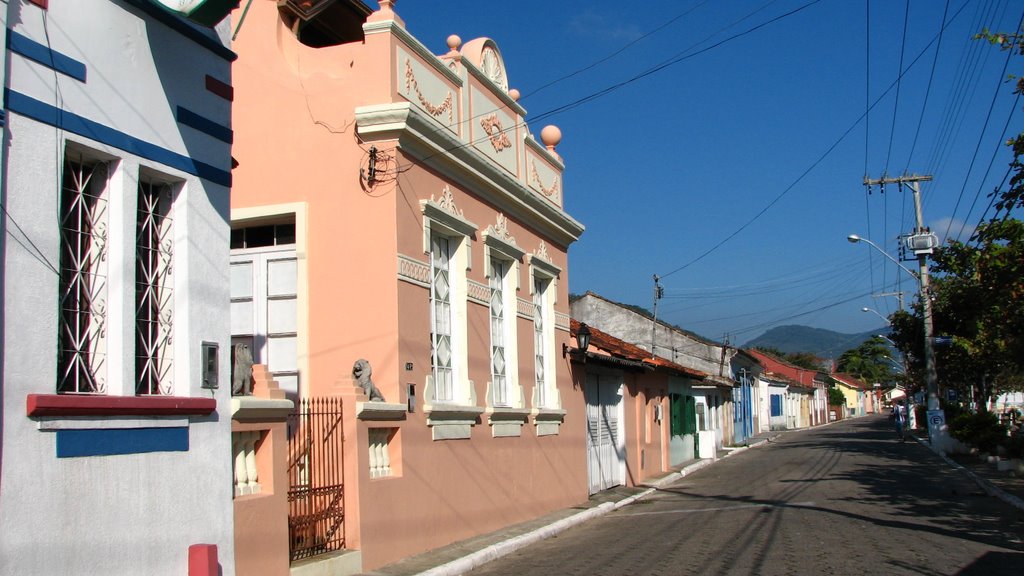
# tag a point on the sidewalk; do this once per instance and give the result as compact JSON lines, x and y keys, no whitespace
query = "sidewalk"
{"x":465,"y":555}
{"x":1005,"y":485}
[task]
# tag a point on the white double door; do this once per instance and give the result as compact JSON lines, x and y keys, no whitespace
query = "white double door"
{"x":264,"y":310}
{"x":606,"y":448}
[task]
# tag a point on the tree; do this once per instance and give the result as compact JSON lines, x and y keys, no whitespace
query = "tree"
{"x":870,"y":362}
{"x":835,"y":396}
{"x":978,"y":291}
{"x":801,"y":359}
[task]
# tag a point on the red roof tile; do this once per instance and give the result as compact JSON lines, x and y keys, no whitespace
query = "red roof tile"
{"x":623,"y":349}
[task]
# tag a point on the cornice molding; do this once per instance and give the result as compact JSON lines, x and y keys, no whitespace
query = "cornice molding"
{"x":421,"y":136}
{"x":371,"y":28}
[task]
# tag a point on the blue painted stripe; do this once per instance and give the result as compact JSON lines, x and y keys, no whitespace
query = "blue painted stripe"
{"x":205,"y":37}
{"x":48,"y":114}
{"x":40,"y":53}
{"x":205,"y":125}
{"x":108,"y":442}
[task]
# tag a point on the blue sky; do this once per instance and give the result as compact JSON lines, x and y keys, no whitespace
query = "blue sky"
{"x":735,"y":172}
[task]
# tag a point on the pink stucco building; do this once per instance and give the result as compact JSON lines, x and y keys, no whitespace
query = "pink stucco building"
{"x":392,"y":205}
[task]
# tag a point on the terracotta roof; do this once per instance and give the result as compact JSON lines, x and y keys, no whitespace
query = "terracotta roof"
{"x":622,"y":349}
{"x":851,"y":380}
{"x":798,"y":375}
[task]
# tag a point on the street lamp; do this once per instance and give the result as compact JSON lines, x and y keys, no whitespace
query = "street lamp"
{"x":875,"y":312}
{"x":853,"y":239}
{"x":936,"y":433}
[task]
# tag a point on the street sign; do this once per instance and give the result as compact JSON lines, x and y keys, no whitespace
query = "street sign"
{"x":950,"y":395}
{"x":936,"y":419}
{"x":942,"y":340}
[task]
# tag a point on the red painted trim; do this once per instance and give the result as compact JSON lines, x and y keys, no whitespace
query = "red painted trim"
{"x":225,"y":91}
{"x":44,"y":4}
{"x":79,"y":405}
{"x":202,"y":560}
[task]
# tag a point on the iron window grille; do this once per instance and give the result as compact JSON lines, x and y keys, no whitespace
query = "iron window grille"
{"x":84,"y":230}
{"x":154,"y":293}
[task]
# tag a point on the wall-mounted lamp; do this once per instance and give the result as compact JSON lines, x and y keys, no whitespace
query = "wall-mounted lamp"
{"x":582,"y":340}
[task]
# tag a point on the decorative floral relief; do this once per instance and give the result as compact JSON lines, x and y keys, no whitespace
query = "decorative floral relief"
{"x":550,"y":192}
{"x":447,"y":202}
{"x":500,"y":229}
{"x":542,"y":252}
{"x":492,"y":126}
{"x":412,"y":85}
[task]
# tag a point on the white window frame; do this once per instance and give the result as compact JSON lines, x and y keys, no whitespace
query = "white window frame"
{"x":546,"y":398}
{"x":121,"y":350}
{"x":443,"y":250}
{"x":507,"y":412}
{"x":451,"y":416}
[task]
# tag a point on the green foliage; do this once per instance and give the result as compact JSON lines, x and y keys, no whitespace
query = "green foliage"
{"x":773,"y":352}
{"x":977,"y":291}
{"x":979,"y":429}
{"x":835,"y":397}
{"x":804,"y":360}
{"x":871,"y":361}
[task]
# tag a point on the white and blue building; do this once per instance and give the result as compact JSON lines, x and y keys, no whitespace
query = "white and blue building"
{"x":115,"y":437}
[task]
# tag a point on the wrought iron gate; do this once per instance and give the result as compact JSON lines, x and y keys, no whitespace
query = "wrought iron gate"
{"x":316,"y":482}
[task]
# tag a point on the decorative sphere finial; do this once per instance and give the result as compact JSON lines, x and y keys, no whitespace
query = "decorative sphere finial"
{"x":551,"y":135}
{"x":513,"y":94}
{"x":454,"y":42}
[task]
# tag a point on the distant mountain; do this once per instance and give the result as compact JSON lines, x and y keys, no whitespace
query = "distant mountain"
{"x":818,"y":341}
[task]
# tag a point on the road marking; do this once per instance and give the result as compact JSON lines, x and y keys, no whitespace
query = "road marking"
{"x":718,"y":509}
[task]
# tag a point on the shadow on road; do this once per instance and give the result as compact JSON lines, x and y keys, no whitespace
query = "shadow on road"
{"x":906,"y":486}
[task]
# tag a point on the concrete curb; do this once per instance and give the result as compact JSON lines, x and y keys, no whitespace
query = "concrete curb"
{"x":495,"y":551}
{"x":989,"y":488}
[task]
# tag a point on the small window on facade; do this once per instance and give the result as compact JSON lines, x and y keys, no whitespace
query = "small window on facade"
{"x":540,"y":338}
{"x":82,"y":345}
{"x":263,"y":236}
{"x":154,"y":293}
{"x":499,"y":380}
{"x":441,"y":251}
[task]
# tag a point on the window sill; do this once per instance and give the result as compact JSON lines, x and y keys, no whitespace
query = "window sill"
{"x":548,"y":420}
{"x":452,"y":421}
{"x":38,"y":405}
{"x":380,"y":411}
{"x":507,"y":422}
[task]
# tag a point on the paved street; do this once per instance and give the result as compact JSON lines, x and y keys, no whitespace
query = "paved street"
{"x":842,"y":499}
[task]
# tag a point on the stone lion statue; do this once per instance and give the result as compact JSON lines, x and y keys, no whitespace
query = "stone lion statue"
{"x":241,"y":370}
{"x":361,"y":371}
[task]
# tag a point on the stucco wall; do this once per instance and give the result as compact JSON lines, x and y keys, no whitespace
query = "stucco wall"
{"x":636,"y":329}
{"x":133,"y":513}
{"x":367,"y":273}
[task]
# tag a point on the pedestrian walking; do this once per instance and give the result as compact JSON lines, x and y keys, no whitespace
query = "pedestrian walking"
{"x":899,"y":419}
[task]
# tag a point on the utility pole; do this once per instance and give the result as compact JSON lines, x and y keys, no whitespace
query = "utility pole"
{"x":659,"y":292}
{"x":923,"y":242}
{"x":898,"y":295}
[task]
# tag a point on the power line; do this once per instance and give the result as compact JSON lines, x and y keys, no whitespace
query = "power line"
{"x":624,"y":48}
{"x":679,"y":57}
{"x":981,"y":136}
{"x":928,"y":89}
{"x":815,"y":163}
